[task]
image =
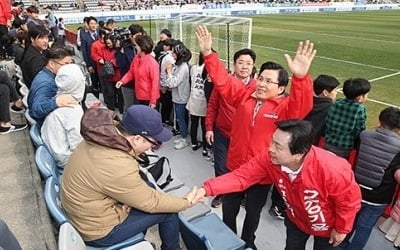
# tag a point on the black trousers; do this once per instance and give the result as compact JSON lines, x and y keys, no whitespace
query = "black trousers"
{"x":112,"y":96}
{"x":166,"y":105}
{"x":7,"y":93}
{"x":277,"y":200}
{"x":296,"y":239}
{"x":255,"y":196}
{"x":194,"y":125}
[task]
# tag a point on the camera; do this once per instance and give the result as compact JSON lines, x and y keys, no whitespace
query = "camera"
{"x":121,"y":34}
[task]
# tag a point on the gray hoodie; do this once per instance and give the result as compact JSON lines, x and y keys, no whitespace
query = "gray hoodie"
{"x":61,"y":128}
{"x":179,"y":84}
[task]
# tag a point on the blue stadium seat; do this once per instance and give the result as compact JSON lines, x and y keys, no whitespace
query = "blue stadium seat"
{"x":69,"y":239}
{"x":45,"y":163}
{"x":34,"y":132}
{"x":52,"y":199}
{"x":209,"y":233}
{"x":29,"y":118}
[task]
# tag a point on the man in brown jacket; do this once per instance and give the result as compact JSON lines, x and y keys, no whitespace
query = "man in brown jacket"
{"x":101,"y":190}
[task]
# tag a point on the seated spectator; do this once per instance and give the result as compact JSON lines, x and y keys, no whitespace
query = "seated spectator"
{"x":7,"y":238}
{"x":33,"y":19}
{"x":61,"y":128}
{"x":17,"y":48}
{"x":18,"y":25}
{"x":324,"y":96}
{"x":102,"y":191}
{"x":378,"y":173}
{"x":34,"y":57}
{"x":8,"y":93}
{"x":42,"y":98}
{"x":346,"y":118}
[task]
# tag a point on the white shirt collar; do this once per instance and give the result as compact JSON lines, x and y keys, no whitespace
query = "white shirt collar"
{"x":292,"y":174}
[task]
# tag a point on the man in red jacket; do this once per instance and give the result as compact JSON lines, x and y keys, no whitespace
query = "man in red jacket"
{"x":258,"y":107}
{"x":318,"y":187}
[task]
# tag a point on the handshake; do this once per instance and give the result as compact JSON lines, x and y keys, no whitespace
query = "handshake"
{"x":196,"y":195}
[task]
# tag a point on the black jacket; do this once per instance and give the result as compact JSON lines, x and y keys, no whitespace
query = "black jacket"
{"x":317,"y":116}
{"x":32,"y":62}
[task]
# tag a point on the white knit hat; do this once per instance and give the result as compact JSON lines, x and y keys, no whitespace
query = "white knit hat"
{"x":70,"y":80}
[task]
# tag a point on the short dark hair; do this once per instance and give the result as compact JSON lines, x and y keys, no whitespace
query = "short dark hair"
{"x":390,"y":118}
{"x":37,"y":31}
{"x":136,"y":28}
{"x":58,"y":53}
{"x":32,"y":9}
{"x":18,"y":22}
{"x":325,"y":82}
{"x":245,"y":51}
{"x":145,"y":43}
{"x":171,"y":43}
{"x":183,"y":54}
{"x":166,"y":32}
{"x":300,"y":135}
{"x":110,"y":21}
{"x":90,"y":18}
{"x":283,"y":76}
{"x":101,"y":23}
{"x":21,"y":36}
{"x":355,"y":87}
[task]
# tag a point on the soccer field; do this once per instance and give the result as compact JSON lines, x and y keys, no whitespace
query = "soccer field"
{"x":349,"y":44}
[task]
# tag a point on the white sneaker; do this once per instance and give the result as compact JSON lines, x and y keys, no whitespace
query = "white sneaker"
{"x":176,"y":141}
{"x":183,"y":143}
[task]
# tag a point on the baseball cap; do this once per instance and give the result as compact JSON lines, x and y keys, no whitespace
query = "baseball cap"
{"x":143,"y":120}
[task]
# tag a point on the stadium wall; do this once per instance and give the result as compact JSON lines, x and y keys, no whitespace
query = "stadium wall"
{"x":226,"y":10}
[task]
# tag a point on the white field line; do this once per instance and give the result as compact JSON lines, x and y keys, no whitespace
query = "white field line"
{"x":383,"y":77}
{"x":324,"y":57}
{"x":334,"y":35}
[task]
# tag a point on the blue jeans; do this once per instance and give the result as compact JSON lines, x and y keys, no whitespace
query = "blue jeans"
{"x":137,"y":222}
{"x":363,"y":225}
{"x":220,"y":148}
{"x":180,"y":112}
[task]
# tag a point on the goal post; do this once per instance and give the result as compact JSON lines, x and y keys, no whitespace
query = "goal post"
{"x":230,"y":34}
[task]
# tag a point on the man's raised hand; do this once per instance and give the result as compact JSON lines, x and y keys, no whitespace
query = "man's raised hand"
{"x":205,"y":40}
{"x":301,"y":62}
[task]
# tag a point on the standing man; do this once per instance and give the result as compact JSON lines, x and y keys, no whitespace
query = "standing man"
{"x":52,"y":22}
{"x":87,"y":39}
{"x":220,"y":112}
{"x":258,"y":107}
{"x":318,"y":187}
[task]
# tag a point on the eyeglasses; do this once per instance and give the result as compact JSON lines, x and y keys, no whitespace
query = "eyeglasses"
{"x":61,"y":64}
{"x":266,"y":80}
{"x":154,"y":144}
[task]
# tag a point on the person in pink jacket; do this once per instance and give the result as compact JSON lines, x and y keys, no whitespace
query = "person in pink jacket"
{"x":146,"y":73}
{"x":318,"y":187}
{"x":258,"y":107}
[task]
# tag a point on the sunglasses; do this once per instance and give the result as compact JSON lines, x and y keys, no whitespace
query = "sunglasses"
{"x":154,"y":144}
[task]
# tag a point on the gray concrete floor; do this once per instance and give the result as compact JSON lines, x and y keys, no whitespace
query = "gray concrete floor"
{"x":22,"y":205}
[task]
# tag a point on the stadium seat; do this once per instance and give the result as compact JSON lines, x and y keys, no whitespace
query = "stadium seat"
{"x":25,"y":101}
{"x":69,"y":239}
{"x":45,"y":163}
{"x":24,"y":90}
{"x":29,"y":118}
{"x":52,"y":199}
{"x":209,"y":233}
{"x":34,"y":132}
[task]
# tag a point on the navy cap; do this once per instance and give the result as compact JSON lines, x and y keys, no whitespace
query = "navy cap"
{"x":143,"y":120}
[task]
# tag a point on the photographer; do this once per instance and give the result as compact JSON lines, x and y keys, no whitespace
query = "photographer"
{"x":109,"y":72}
{"x":124,"y":56}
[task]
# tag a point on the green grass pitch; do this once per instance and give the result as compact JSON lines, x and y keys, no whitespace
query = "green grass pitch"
{"x":349,"y":44}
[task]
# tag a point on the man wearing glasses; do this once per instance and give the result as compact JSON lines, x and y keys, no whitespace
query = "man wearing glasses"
{"x":257,"y":109}
{"x":43,"y":98}
{"x":102,"y":191}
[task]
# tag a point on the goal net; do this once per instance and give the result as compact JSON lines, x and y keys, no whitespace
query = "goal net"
{"x":230,"y":34}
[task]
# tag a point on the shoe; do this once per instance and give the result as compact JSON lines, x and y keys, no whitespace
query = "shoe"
{"x":17,"y":110}
{"x":13,"y":128}
{"x":183,"y":143}
{"x":196,"y":146}
{"x":274,"y":212}
{"x":217,"y":201}
{"x":205,"y":153}
{"x":168,"y":123}
{"x":243,"y":202}
{"x":176,"y":132}
{"x":176,"y":141}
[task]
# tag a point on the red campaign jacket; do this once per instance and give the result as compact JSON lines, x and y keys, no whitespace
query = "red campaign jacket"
{"x":100,"y":51}
{"x":145,"y":70}
{"x":324,"y":195}
{"x":251,"y":136}
{"x":220,"y":112}
{"x":5,"y":12}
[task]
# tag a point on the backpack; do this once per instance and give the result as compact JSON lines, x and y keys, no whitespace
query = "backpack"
{"x":159,"y":169}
